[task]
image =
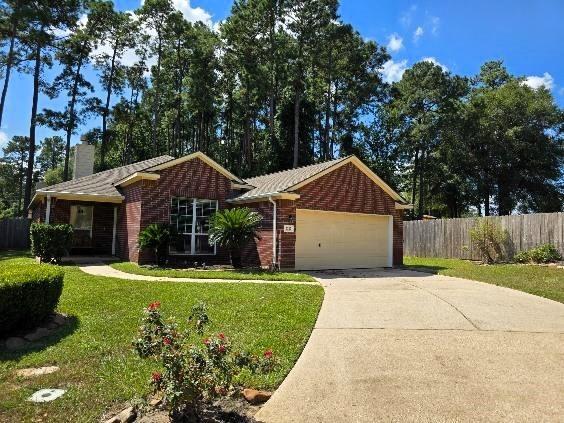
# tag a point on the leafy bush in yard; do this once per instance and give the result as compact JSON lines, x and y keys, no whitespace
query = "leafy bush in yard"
{"x":28,"y":294}
{"x":194,"y":371}
{"x":546,"y":253}
{"x":156,"y":237}
{"x":489,"y":238}
{"x":50,"y":242}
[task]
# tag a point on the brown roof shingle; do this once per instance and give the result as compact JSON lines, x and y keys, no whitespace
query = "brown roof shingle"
{"x":281,"y":181}
{"x":101,"y":183}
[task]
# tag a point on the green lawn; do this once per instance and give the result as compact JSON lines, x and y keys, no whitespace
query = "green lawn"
{"x":543,"y":281}
{"x":99,"y":367}
{"x":212,"y":274}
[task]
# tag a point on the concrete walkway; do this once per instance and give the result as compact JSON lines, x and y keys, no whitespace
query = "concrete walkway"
{"x":100,"y":268}
{"x":402,"y":346}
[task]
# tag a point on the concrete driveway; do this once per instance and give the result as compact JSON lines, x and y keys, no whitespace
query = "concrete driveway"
{"x":396,"y":345}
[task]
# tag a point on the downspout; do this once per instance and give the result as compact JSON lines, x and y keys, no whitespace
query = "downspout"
{"x":274,"y":258}
{"x":48,"y":210}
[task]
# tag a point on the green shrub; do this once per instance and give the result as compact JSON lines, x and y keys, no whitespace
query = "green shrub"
{"x":232,"y":229}
{"x":156,"y":237}
{"x":50,"y":242}
{"x":489,"y":238}
{"x":522,"y":257}
{"x":28,"y":294}
{"x":546,"y":253}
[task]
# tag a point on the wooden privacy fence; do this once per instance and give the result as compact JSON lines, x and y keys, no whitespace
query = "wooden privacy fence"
{"x":14,"y":233}
{"x":450,"y":238}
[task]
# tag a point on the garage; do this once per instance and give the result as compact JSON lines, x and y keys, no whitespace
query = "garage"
{"x":335,"y":240}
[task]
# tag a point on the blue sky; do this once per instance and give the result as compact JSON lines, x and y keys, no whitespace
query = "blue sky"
{"x":459,"y":35}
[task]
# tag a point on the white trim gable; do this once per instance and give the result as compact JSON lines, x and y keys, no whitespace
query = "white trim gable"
{"x":202,"y":157}
{"x":362,"y":167}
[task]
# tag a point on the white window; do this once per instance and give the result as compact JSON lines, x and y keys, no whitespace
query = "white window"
{"x":190,"y":217}
{"x":81,"y":217}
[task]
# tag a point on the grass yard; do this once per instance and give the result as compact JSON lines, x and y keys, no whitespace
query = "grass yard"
{"x":98,"y":366}
{"x":543,"y":281}
{"x":212,"y":274}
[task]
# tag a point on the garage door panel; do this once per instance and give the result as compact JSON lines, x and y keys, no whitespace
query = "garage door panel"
{"x":326,"y":240}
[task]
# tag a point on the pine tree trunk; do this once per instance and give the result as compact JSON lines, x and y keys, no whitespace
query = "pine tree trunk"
{"x":156,"y":100}
{"x":421,"y":208}
{"x":297,"y":101}
{"x":32,"y":126}
{"x":9,"y":62}
{"x":106,"y":111}
{"x":70,"y":126}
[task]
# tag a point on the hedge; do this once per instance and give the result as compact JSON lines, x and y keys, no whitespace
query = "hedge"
{"x":28,"y":294}
{"x":50,"y":242}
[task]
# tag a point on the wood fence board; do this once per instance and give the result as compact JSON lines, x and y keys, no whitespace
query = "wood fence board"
{"x":14,"y":233}
{"x":450,"y":238}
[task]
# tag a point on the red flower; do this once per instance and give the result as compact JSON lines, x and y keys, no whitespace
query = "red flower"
{"x":207,"y":341}
{"x":156,"y":377}
{"x":268,"y":353}
{"x":221,"y":336}
{"x":154,"y":305}
{"x":167,"y":341}
{"x":221,"y":348}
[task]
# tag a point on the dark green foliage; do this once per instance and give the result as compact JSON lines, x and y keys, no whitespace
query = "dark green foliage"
{"x":546,"y":253}
{"x":50,"y":242}
{"x":28,"y":294}
{"x":233,"y":228}
{"x":156,"y":237}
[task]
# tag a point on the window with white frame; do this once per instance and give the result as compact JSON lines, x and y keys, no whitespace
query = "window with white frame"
{"x":190,"y":218}
{"x":81,"y":217}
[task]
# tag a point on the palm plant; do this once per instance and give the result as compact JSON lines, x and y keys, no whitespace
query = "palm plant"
{"x":232,"y":229}
{"x":155,"y":237}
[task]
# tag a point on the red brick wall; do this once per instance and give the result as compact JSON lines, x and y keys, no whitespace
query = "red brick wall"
{"x":148,"y":202}
{"x":346,"y":189}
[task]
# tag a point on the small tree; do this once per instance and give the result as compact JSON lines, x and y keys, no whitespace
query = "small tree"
{"x":155,"y":237}
{"x":232,"y":229}
{"x":489,"y":238}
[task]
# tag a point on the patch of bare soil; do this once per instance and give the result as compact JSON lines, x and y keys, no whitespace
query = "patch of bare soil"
{"x":225,"y":410}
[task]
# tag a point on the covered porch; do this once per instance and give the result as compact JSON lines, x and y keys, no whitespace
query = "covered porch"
{"x":94,"y":222}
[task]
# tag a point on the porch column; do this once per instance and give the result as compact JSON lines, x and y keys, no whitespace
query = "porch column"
{"x":114,"y":232}
{"x":48,"y":211}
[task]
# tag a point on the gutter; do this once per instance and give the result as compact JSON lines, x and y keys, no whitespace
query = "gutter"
{"x":274,"y":258}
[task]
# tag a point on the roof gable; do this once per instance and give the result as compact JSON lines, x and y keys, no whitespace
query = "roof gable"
{"x":289,"y":181}
{"x":197,"y":155}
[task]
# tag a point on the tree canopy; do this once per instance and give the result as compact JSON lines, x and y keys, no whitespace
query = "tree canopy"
{"x":278,"y":84}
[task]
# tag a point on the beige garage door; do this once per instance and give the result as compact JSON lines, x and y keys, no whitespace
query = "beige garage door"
{"x":331,"y":240}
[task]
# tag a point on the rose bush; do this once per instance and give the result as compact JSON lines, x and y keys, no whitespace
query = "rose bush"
{"x":195,"y":370}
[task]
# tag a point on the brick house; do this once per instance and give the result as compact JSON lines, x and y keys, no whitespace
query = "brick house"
{"x":336,"y":214}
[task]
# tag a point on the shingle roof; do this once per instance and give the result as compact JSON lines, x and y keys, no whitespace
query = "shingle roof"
{"x":281,"y":181}
{"x":101,"y":183}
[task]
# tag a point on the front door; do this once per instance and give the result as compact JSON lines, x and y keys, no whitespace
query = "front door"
{"x":81,"y":218}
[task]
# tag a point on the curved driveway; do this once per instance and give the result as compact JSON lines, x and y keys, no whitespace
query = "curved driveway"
{"x":397,"y":345}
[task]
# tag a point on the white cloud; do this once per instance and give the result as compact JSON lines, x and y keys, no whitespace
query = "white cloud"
{"x":393,"y":71}
{"x":3,"y":139}
{"x":434,"y":61}
{"x":418,"y":33}
{"x":435,"y":22}
{"x":407,"y":16}
{"x":192,"y":14}
{"x":395,"y":42}
{"x":536,"y":82}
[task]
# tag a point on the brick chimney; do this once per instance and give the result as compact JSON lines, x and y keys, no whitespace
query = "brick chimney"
{"x":83,"y":159}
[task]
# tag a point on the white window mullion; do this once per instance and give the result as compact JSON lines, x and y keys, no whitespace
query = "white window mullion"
{"x":193,"y":234}
{"x":215,"y":244}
